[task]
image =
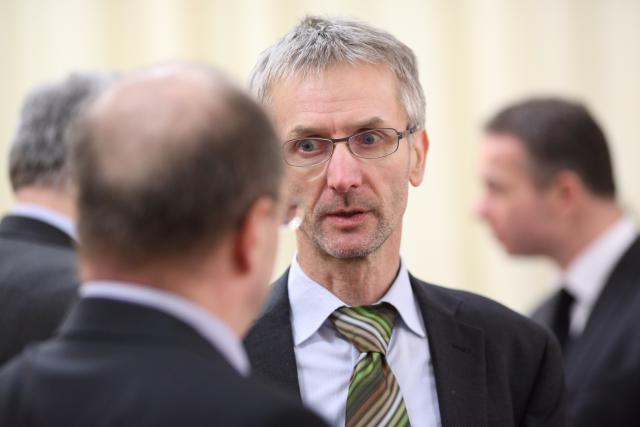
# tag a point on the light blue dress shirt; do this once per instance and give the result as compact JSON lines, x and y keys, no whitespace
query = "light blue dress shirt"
{"x":325,"y":359}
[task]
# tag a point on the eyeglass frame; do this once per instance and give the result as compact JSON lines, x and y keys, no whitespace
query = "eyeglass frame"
{"x":404,"y":134}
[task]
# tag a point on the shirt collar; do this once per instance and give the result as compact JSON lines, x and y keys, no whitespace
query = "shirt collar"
{"x":312,"y":303}
{"x":587,"y":274}
{"x":49,"y":216}
{"x":206,"y":324}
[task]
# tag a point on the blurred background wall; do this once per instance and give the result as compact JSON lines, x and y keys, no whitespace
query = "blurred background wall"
{"x":475,"y":55}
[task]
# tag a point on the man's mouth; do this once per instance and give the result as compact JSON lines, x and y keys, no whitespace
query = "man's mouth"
{"x":347,"y":217}
{"x":347,"y":213}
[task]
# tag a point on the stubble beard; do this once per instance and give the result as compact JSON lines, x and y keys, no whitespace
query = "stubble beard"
{"x":312,"y":228}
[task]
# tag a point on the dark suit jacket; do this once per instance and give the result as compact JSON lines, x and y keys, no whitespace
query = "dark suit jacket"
{"x":38,"y":282}
{"x":602,"y":366}
{"x":121,"y":364}
{"x":492,"y":366}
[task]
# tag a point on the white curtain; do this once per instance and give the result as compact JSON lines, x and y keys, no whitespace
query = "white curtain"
{"x":475,"y":55}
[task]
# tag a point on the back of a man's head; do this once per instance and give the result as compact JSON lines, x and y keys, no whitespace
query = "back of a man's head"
{"x":167,"y":162}
{"x":39,"y":155}
{"x":318,"y":43}
{"x":559,"y":135}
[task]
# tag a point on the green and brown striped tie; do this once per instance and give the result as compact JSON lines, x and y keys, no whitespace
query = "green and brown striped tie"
{"x":374,"y":397}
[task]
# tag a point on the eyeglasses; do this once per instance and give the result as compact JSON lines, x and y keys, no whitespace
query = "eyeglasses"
{"x":368,"y":144}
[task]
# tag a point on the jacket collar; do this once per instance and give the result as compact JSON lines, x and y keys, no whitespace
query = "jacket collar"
{"x":117,"y":321}
{"x":458,"y":355}
{"x":34,"y":230}
{"x":269,"y":343}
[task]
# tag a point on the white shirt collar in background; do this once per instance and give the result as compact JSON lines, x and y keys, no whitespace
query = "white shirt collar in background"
{"x":51,"y":217}
{"x":205,"y":323}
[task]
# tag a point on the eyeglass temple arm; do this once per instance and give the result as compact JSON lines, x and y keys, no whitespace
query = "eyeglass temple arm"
{"x":407,"y":132}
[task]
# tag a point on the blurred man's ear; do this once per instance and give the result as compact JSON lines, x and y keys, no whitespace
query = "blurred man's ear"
{"x":567,"y":190}
{"x":255,"y":235}
{"x":419,"y":148}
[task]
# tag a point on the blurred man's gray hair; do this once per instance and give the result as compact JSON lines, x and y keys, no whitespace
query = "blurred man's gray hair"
{"x":317,"y":43}
{"x":39,"y":154}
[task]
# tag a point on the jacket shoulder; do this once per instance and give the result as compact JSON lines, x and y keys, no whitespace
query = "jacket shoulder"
{"x":498,"y":322}
{"x":178,"y":387}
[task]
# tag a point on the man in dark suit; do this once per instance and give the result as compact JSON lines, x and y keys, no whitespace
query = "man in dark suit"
{"x":178,"y":181}
{"x":38,"y":279}
{"x":550,"y":191}
{"x":348,"y":330}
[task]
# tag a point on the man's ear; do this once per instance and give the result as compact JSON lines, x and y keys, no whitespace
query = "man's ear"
{"x":568,"y":190}
{"x":419,"y":148}
{"x":253,"y":234}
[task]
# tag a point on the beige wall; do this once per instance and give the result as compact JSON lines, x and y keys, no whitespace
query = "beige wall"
{"x":475,"y":55}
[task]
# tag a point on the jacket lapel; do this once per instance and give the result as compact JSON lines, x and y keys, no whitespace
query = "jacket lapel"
{"x":269,"y":343}
{"x":543,"y":315}
{"x":620,"y":288}
{"x":458,"y":356}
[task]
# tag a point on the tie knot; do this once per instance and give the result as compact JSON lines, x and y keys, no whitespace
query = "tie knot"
{"x":368,"y":328}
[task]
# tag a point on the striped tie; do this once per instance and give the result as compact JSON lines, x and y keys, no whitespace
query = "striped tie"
{"x":374,"y":397}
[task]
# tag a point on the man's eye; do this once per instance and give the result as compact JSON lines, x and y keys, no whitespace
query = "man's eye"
{"x":307,"y":145}
{"x":369,"y":138}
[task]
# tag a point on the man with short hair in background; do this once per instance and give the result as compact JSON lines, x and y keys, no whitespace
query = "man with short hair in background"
{"x":550,"y":191}
{"x":348,"y":330}
{"x":178,"y":179}
{"x":38,"y":279}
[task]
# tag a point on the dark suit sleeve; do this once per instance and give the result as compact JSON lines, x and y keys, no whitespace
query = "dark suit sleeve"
{"x":10,"y":394}
{"x":547,"y":403}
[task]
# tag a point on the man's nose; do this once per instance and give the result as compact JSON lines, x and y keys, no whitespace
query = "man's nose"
{"x":344,"y":170}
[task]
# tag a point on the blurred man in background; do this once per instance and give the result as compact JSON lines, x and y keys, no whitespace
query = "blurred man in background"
{"x":38,"y":279}
{"x":348,"y":330}
{"x":550,"y":190}
{"x":178,"y":178}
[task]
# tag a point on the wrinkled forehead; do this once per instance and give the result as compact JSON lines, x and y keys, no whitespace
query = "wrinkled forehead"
{"x":342,"y":96}
{"x":333,"y":75}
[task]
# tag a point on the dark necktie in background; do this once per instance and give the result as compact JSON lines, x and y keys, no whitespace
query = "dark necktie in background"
{"x":562,"y":318}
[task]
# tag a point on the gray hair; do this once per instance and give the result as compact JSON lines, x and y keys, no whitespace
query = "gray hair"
{"x":39,"y":153}
{"x":317,"y":43}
